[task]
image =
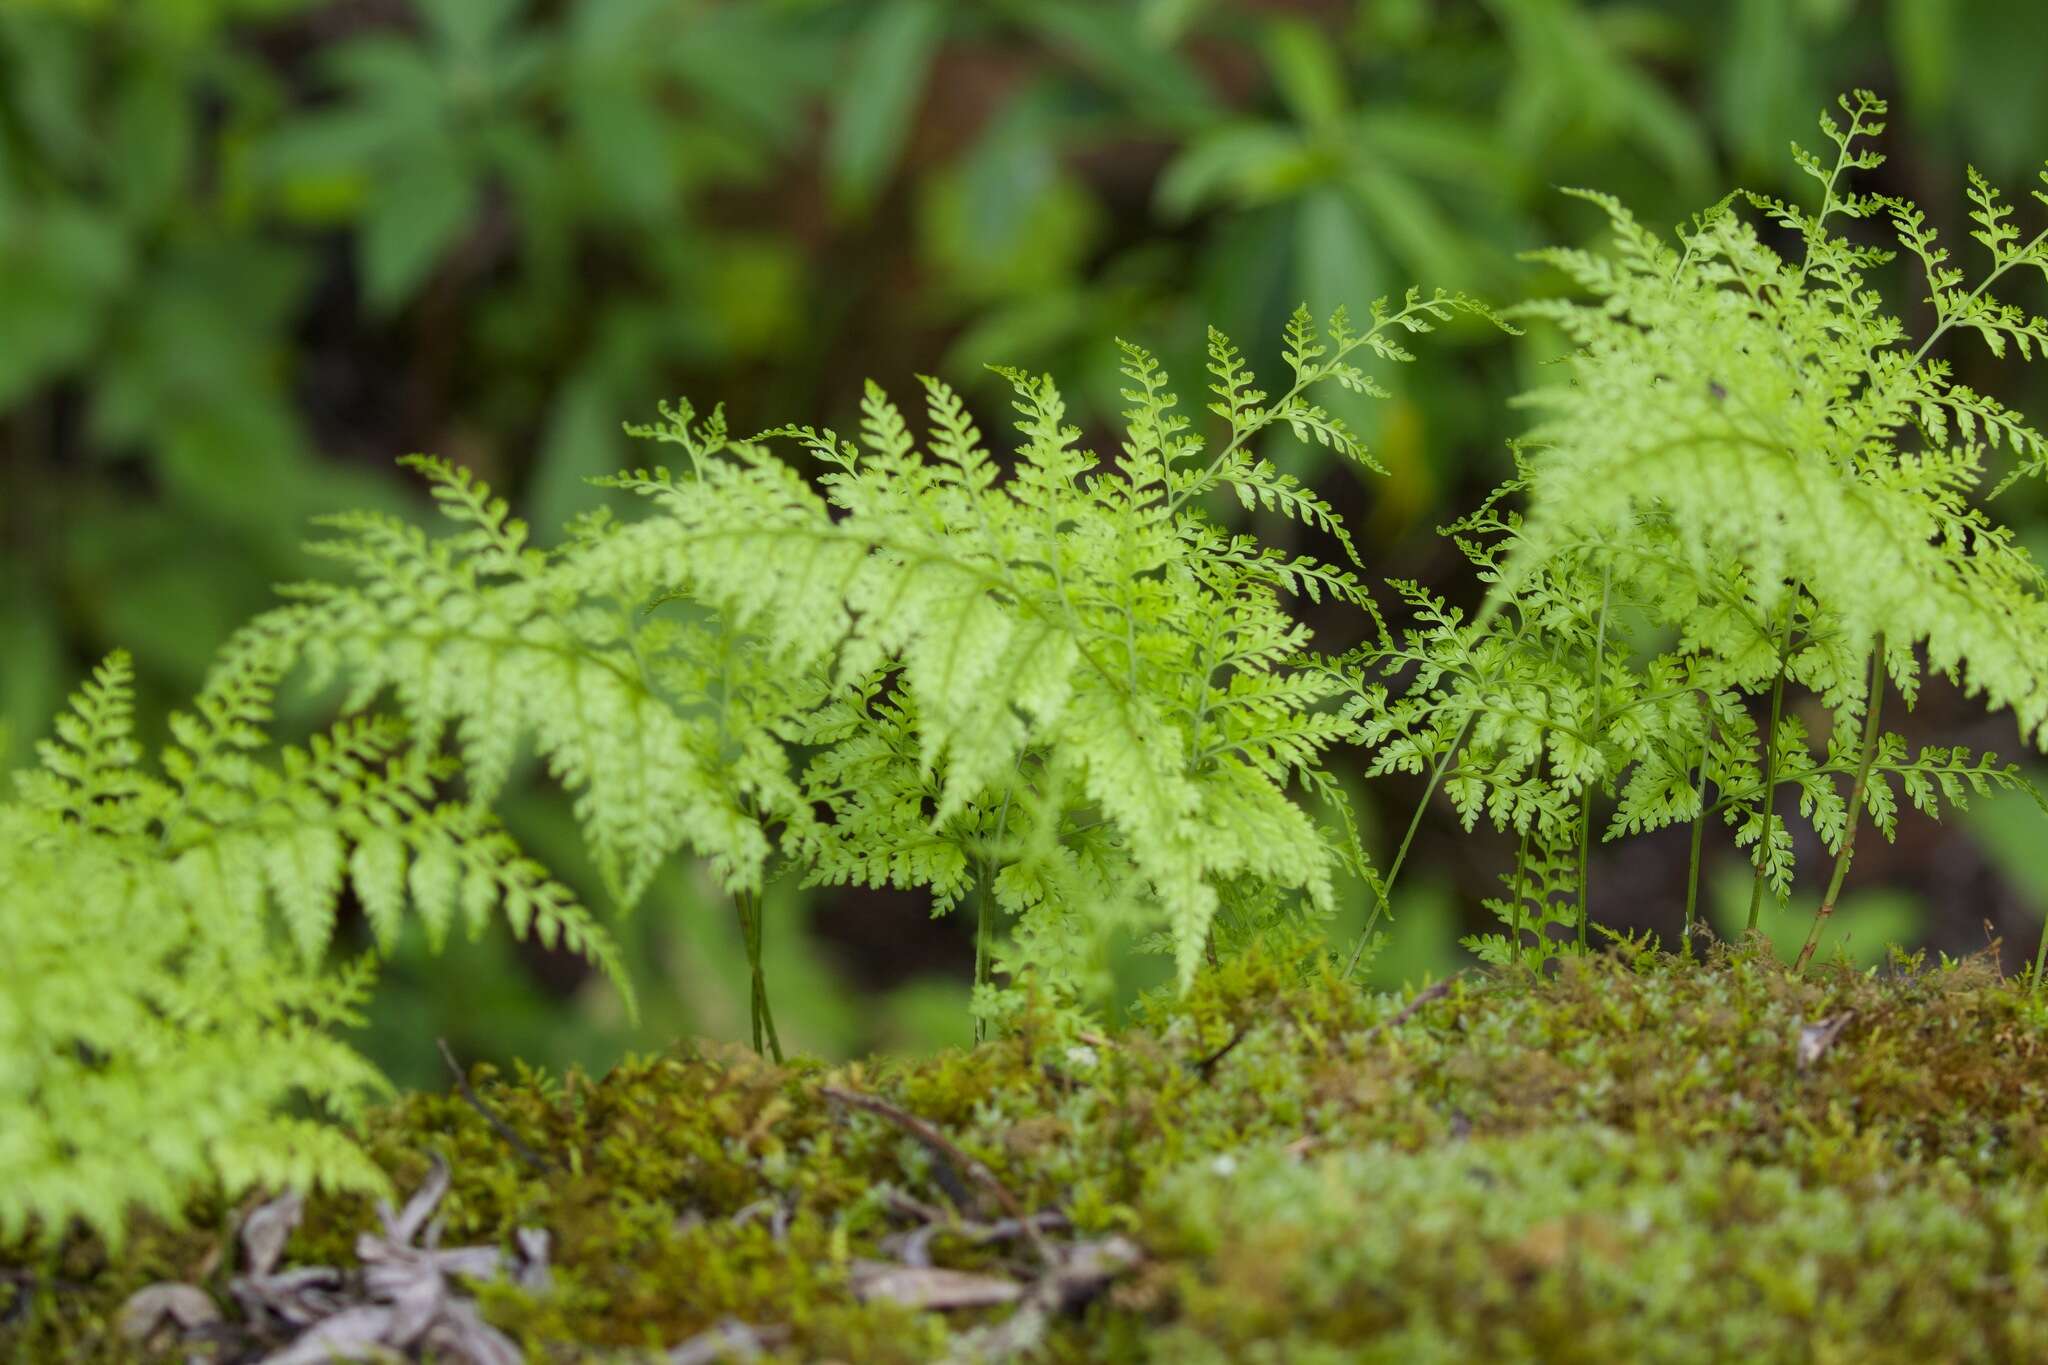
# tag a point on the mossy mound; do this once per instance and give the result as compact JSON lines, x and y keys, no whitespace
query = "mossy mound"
{"x":1637,"y":1160}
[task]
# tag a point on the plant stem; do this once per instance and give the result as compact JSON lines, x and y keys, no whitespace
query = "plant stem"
{"x":1386,"y":889}
{"x":984,"y":934}
{"x":1699,"y":829}
{"x":1586,"y":796}
{"x":748,"y":904}
{"x":1520,"y":888}
{"x":1756,"y":888}
{"x":1873,"y":708}
{"x":2040,"y":959}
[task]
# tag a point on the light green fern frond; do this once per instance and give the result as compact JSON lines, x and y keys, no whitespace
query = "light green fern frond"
{"x":151,"y":1037}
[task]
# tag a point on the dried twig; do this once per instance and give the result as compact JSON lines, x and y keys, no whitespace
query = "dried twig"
{"x":1207,"y":1065}
{"x":476,"y":1102}
{"x":1407,"y":1011}
{"x":948,"y":1152}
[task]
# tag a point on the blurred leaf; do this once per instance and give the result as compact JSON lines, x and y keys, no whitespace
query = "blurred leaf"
{"x":2005,"y":101}
{"x":1429,"y":246}
{"x":392,"y":79}
{"x":1165,"y":22}
{"x":1336,"y":263}
{"x":169,"y":596}
{"x":1569,"y":77}
{"x":1421,"y":939}
{"x":415,"y":215}
{"x":46,"y":88}
{"x":876,"y":96}
{"x":60,"y":270}
{"x":1303,"y":60}
{"x":625,"y":140}
{"x":151,"y":140}
{"x":2008,"y":828}
{"x":469,"y":27}
{"x":195,"y":341}
{"x":1445,"y":145}
{"x":754,"y":67}
{"x":31,"y":681}
{"x":923,"y":1015}
{"x":1866,"y":922}
{"x":1241,"y":163}
{"x":1112,"y":42}
{"x":1923,"y":34}
{"x":1762,"y":92}
{"x":755,"y":294}
{"x":582,"y":442}
{"x":1002,"y":246}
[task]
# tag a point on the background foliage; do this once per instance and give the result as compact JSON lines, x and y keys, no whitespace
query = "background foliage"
{"x":252,"y":250}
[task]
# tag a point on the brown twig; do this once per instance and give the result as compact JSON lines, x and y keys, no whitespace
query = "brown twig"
{"x":1207,"y":1065}
{"x":1407,"y":1011}
{"x":476,"y":1102}
{"x":947,"y":1151}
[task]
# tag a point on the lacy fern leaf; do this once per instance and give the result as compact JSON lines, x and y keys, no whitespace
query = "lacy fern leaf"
{"x":163,"y":1004}
{"x":1746,"y":451}
{"x":1051,"y":678}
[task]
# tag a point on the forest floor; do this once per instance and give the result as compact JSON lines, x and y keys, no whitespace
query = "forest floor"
{"x":1637,"y":1159}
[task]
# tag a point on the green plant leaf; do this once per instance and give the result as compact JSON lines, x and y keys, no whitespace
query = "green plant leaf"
{"x":881,"y":87}
{"x":415,"y":215}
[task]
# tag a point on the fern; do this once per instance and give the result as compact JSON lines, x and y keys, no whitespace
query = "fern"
{"x":158,"y":1033}
{"x":1051,"y":683}
{"x":1747,"y":453}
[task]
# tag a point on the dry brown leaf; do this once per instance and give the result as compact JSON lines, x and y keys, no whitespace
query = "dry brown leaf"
{"x":179,"y":1305}
{"x":932,"y":1287}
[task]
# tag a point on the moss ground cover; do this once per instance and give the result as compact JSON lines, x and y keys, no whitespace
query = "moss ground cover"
{"x":1628,"y":1160}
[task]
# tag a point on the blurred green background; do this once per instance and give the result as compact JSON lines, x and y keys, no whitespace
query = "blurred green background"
{"x":253,"y":250}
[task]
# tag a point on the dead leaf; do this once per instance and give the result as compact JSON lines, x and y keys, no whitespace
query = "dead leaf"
{"x":266,"y":1230}
{"x":534,"y":1245}
{"x":460,"y":1333}
{"x":730,"y":1340}
{"x":179,"y":1305}
{"x":352,"y":1334}
{"x":1817,"y":1037}
{"x":406,"y":1225}
{"x":932,"y":1287}
{"x":297,"y":1298}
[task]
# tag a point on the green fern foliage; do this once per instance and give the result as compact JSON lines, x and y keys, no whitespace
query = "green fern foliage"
{"x":1747,"y":479}
{"x":1074,"y":643}
{"x":165,"y":1017}
{"x":1050,"y":679}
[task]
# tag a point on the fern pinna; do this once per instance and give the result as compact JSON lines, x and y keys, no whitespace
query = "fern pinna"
{"x":1745,"y":453}
{"x":1051,"y":683}
{"x":163,"y":1002}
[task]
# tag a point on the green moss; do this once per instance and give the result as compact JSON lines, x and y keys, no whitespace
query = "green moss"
{"x":1628,"y":1161}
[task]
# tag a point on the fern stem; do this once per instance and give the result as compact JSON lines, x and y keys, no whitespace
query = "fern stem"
{"x":2040,"y":960}
{"x":985,"y":905}
{"x":984,"y":934}
{"x":1515,"y":925}
{"x":1756,"y":887}
{"x":1962,"y":310}
{"x":748,"y":904}
{"x":1386,"y":887}
{"x":1872,"y":713}
{"x":1699,"y":829}
{"x":1586,"y":796}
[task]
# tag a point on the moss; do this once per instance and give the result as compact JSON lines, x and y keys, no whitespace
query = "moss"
{"x":1629,"y":1160}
